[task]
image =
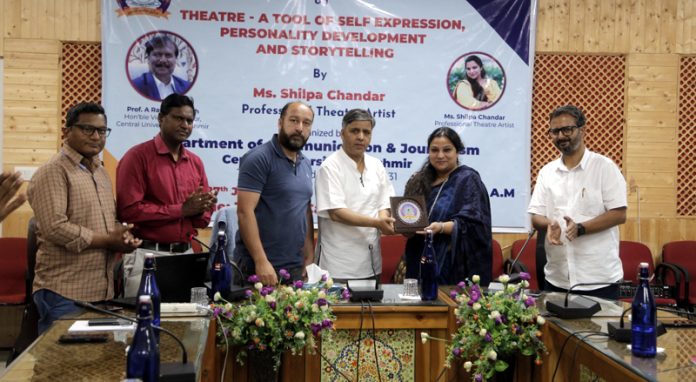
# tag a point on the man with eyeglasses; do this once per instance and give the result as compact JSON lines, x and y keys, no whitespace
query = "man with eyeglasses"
{"x":579,"y":199}
{"x":159,"y":82}
{"x":162,"y":188}
{"x":78,"y":235}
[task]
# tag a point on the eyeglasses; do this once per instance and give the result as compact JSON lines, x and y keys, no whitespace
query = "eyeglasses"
{"x":89,"y":130}
{"x":566,"y":130}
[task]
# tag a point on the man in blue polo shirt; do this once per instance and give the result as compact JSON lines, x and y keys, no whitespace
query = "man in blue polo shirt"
{"x":273,"y":203}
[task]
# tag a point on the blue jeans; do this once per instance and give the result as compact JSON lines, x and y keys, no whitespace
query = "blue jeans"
{"x":51,"y":306}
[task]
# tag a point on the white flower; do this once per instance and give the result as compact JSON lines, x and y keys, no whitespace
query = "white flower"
{"x":217,"y":296}
{"x":492,"y":355}
{"x":300,"y":335}
{"x":467,"y":366}
{"x":269,"y":298}
{"x":495,"y":314}
{"x":315,"y":308}
{"x":476,"y":278}
{"x":424,"y":337}
{"x":476,"y":306}
{"x":321,"y":294}
{"x":324,"y":307}
{"x":482,"y":332}
{"x":258,"y":286}
{"x":504,"y":278}
{"x":541,"y":320}
{"x":329,"y":283}
{"x":229,"y":306}
{"x":259,"y":322}
{"x":525,"y":284}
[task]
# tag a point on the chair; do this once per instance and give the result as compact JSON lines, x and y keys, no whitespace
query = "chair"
{"x":13,"y":258}
{"x":497,"y":260}
{"x":633,"y":253}
{"x":683,"y":254}
{"x":29,"y":330}
{"x":392,"y":248}
{"x":526,"y":261}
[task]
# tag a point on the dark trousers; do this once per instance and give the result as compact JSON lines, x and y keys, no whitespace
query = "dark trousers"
{"x":610,"y":292}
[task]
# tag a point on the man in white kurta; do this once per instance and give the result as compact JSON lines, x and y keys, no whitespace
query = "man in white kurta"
{"x":580,"y":199}
{"x":353,"y":191}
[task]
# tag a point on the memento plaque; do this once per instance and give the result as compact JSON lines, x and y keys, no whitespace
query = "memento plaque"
{"x":409,"y":213}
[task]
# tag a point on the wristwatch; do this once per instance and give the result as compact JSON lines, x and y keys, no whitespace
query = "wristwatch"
{"x":580,"y":229}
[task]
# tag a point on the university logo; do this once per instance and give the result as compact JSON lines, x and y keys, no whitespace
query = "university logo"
{"x":155,"y":8}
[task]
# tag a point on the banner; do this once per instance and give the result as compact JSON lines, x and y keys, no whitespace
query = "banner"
{"x":415,"y":65}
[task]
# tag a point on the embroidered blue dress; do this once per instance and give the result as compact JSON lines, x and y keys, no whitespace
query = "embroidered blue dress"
{"x":467,"y":250}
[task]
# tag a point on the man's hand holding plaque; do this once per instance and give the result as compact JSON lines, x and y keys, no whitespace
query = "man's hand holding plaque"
{"x":409,"y":213}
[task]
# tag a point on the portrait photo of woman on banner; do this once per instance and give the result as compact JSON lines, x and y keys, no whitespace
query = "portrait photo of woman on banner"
{"x":476,"y":81}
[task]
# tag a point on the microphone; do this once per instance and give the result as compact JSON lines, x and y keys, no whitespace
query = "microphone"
{"x":622,"y":333}
{"x":515,"y":277}
{"x":169,"y":372}
{"x":581,"y":306}
{"x":360,"y":293}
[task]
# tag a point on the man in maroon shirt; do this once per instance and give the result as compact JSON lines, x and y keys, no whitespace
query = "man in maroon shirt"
{"x":162,"y":189}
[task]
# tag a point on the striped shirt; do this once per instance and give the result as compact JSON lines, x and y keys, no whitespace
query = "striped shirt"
{"x":72,"y":200}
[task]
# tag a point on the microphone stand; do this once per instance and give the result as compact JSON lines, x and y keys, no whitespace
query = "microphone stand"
{"x":581,"y":307}
{"x":622,"y":333}
{"x":169,"y":372}
{"x":515,"y":277}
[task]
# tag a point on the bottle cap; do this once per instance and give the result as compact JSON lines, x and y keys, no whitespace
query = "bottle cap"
{"x":149,"y":255}
{"x":145,"y":299}
{"x":644,"y":265}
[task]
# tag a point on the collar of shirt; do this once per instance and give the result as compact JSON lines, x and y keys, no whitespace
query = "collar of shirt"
{"x":162,"y":148}
{"x":279,"y":152}
{"x":582,"y":165}
{"x":346,"y":159}
{"x":165,"y":89}
{"x":79,"y":160}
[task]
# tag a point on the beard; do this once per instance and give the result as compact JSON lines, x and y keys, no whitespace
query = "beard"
{"x":294,"y":142}
{"x":572,"y":145}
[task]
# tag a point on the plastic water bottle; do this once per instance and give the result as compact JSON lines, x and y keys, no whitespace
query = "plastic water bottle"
{"x":143,"y":359}
{"x":148,"y":286}
{"x":643,"y":318}
{"x":428,"y":270}
{"x":221,"y":271}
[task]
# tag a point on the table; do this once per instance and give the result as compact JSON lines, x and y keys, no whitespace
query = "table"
{"x":602,"y":359}
{"x":393,"y":317}
{"x":48,"y":360}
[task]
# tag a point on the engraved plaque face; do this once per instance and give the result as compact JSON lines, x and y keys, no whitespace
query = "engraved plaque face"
{"x":408,"y":213}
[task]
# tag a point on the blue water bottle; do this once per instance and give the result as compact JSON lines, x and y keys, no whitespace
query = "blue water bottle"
{"x":221,"y":271}
{"x":148,"y":286}
{"x":428,"y":270}
{"x":643,"y":317}
{"x":143,"y":357}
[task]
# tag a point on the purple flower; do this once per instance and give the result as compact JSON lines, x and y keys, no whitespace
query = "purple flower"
{"x":253,"y":279}
{"x":461,"y":285}
{"x":478,"y":378}
{"x":453,"y":295}
{"x":248,"y":293}
{"x":322,"y":302}
{"x":525,"y":276}
{"x":216,"y":311}
{"x":529,"y":301}
{"x":456,"y":352}
{"x":287,"y":308}
{"x":345,"y":294}
{"x":324,"y":277}
{"x":284,"y":274}
{"x":499,"y":320}
{"x":265,"y":290}
{"x":298,"y":284}
{"x":316,"y":328}
{"x":475,"y":295}
{"x":488,"y":337}
{"x":272,"y":305}
{"x":326,"y":323}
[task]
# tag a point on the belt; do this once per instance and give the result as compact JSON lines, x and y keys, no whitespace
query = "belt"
{"x":165,"y":247}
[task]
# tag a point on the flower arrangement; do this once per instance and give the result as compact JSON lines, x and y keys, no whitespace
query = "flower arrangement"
{"x":286,"y":317}
{"x":493,"y":326}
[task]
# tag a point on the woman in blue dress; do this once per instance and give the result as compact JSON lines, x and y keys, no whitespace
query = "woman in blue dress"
{"x":459,"y":213}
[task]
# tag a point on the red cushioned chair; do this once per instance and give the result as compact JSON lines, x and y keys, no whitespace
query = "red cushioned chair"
{"x":633,"y":253}
{"x":683,"y":254}
{"x":497,"y":260}
{"x":392,"y":248}
{"x":13,"y":257}
{"x":526,"y":261}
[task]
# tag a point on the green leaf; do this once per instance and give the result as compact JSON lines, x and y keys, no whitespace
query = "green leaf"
{"x":500,"y":365}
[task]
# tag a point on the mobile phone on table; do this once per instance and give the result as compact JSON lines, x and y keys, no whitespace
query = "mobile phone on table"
{"x":107,"y":322}
{"x":83,"y":338}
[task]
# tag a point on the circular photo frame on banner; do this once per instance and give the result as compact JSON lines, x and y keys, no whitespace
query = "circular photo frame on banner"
{"x":476,"y":81}
{"x":159,"y":63}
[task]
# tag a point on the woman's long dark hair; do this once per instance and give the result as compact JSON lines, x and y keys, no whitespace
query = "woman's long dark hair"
{"x":476,"y":88}
{"x":421,"y":182}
